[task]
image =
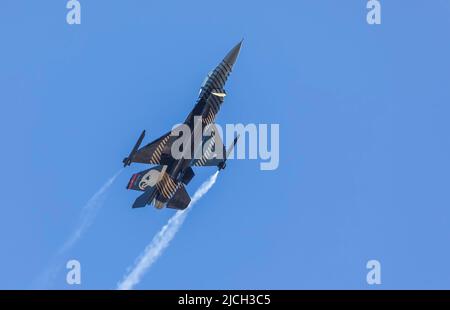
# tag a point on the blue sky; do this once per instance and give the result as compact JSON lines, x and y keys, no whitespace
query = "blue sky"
{"x":364,"y":146}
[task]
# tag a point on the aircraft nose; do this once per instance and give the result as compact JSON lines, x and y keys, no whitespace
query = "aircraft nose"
{"x":233,"y":54}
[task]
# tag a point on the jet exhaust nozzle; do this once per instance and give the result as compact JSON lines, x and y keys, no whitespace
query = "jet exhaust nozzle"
{"x":222,"y":165}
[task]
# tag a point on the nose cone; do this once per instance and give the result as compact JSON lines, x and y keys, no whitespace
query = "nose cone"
{"x":233,"y":54}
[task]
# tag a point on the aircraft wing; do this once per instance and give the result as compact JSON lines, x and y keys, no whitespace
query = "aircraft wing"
{"x":155,"y":152}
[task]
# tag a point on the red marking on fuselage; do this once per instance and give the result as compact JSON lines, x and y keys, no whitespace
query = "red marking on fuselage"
{"x":130,"y":185}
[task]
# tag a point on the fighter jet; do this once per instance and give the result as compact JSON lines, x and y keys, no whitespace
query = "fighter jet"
{"x":164,"y":184}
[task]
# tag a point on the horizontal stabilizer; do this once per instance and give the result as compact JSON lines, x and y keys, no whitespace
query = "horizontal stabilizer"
{"x":145,"y":199}
{"x":180,"y":200}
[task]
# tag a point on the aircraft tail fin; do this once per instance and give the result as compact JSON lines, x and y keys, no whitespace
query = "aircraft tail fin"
{"x":159,"y":188}
{"x":147,"y":178}
{"x":146,"y":182}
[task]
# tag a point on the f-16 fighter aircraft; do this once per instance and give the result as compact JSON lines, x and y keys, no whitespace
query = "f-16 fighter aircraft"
{"x":164,"y":184}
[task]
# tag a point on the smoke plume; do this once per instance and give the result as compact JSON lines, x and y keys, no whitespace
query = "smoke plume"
{"x":162,"y":240}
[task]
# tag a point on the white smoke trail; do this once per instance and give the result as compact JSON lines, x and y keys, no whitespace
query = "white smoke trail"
{"x":162,"y":239}
{"x":88,"y":213}
{"x":87,"y":216}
